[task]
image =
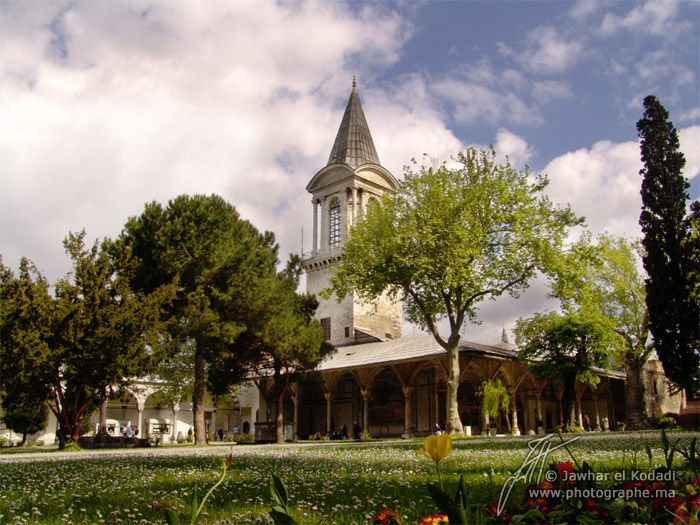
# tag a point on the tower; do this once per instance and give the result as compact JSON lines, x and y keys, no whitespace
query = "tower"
{"x":352,"y":177}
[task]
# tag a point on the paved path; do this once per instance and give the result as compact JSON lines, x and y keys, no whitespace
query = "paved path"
{"x":213,"y":449}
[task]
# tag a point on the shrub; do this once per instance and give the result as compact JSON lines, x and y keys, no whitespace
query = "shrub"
{"x":30,"y":443}
{"x":71,"y":447}
{"x":243,"y":437}
{"x":39,"y":442}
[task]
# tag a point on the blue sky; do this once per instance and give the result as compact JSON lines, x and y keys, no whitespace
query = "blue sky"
{"x":109,"y":105}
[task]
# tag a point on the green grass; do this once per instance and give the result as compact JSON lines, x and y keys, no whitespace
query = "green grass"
{"x":341,"y":483}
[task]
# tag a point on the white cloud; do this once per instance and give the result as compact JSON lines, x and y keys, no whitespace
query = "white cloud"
{"x":117,"y":104}
{"x":549,"y":52}
{"x":603,"y":183}
{"x":653,"y":17}
{"x":515,"y":147}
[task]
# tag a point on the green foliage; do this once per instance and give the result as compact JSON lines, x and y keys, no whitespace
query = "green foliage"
{"x":223,"y":268}
{"x":672,"y":257}
{"x":456,"y":508}
{"x":494,"y":396}
{"x":72,"y":349}
{"x":172,"y":517}
{"x":450,"y":238}
{"x":27,"y":417}
{"x":564,"y":348}
{"x":70,"y":446}
{"x":668,"y":421}
{"x":280,"y":496}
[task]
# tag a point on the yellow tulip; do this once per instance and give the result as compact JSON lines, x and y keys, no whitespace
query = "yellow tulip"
{"x":436,"y":447}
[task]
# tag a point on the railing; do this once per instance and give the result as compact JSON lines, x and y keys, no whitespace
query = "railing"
{"x":315,"y":253}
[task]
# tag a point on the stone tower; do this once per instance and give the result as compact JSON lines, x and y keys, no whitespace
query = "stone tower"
{"x":340,"y":190}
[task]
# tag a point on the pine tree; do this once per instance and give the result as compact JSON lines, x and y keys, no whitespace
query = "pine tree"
{"x":671,"y":258}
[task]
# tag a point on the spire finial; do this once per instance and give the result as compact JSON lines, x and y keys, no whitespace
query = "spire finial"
{"x":504,"y":336}
{"x":354,"y":83}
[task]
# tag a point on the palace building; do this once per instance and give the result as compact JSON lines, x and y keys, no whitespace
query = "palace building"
{"x":395,"y":385}
{"x":389,"y":383}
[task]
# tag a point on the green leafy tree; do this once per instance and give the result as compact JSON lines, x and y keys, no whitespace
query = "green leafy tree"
{"x":72,"y":350}
{"x":450,"y":238}
{"x":26,"y":416}
{"x":223,"y":268}
{"x":671,"y":257}
{"x":286,"y":336}
{"x":565,"y":348}
{"x":494,"y":397}
{"x":607,"y":275}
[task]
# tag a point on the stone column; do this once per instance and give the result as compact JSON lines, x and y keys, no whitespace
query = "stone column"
{"x":329,"y":397}
{"x":314,"y":245}
{"x":597,"y":413}
{"x":365,"y":408}
{"x":579,"y":414}
{"x":539,"y":428}
{"x":324,"y":225}
{"x":355,"y":204}
{"x":515,"y":429}
{"x":140,"y":402}
{"x":407,"y":395}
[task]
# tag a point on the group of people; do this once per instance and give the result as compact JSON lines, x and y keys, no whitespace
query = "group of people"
{"x":343,"y":434}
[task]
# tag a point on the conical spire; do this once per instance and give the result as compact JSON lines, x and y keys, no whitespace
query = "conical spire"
{"x":353,"y":144}
{"x":504,"y":336}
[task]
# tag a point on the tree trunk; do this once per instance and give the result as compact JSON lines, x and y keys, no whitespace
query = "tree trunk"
{"x":635,"y":396}
{"x":568,"y":402}
{"x":454,"y":423}
{"x":25,"y":436}
{"x":280,"y":389}
{"x":200,"y":437}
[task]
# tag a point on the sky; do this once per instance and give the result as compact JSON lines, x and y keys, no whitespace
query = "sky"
{"x":106,"y":106}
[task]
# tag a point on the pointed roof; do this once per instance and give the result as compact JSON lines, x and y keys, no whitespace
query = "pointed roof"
{"x":353,"y":144}
{"x":504,"y":344}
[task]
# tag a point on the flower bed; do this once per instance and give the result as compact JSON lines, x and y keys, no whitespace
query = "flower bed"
{"x":341,"y":483}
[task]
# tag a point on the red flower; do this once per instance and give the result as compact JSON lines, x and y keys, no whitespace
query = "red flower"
{"x":387,"y":517}
{"x":435,"y":519}
{"x":565,"y":466}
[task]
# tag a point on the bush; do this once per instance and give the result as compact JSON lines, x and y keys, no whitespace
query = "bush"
{"x":71,"y":447}
{"x":4,"y":442}
{"x":243,"y":437}
{"x":668,"y":420}
{"x":30,"y":443}
{"x":39,"y":442}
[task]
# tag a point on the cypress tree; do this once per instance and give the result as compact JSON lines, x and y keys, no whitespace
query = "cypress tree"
{"x":671,"y":258}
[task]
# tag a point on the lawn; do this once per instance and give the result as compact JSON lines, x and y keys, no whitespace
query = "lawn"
{"x":327,"y":483}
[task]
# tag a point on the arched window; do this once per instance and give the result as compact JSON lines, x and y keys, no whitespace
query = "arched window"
{"x":334,"y":239}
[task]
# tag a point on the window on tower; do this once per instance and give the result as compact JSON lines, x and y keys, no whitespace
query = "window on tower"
{"x":334,"y":240}
{"x":326,"y":326}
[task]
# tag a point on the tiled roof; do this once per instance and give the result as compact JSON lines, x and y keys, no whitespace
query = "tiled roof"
{"x":404,"y":349}
{"x":353,"y":144}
